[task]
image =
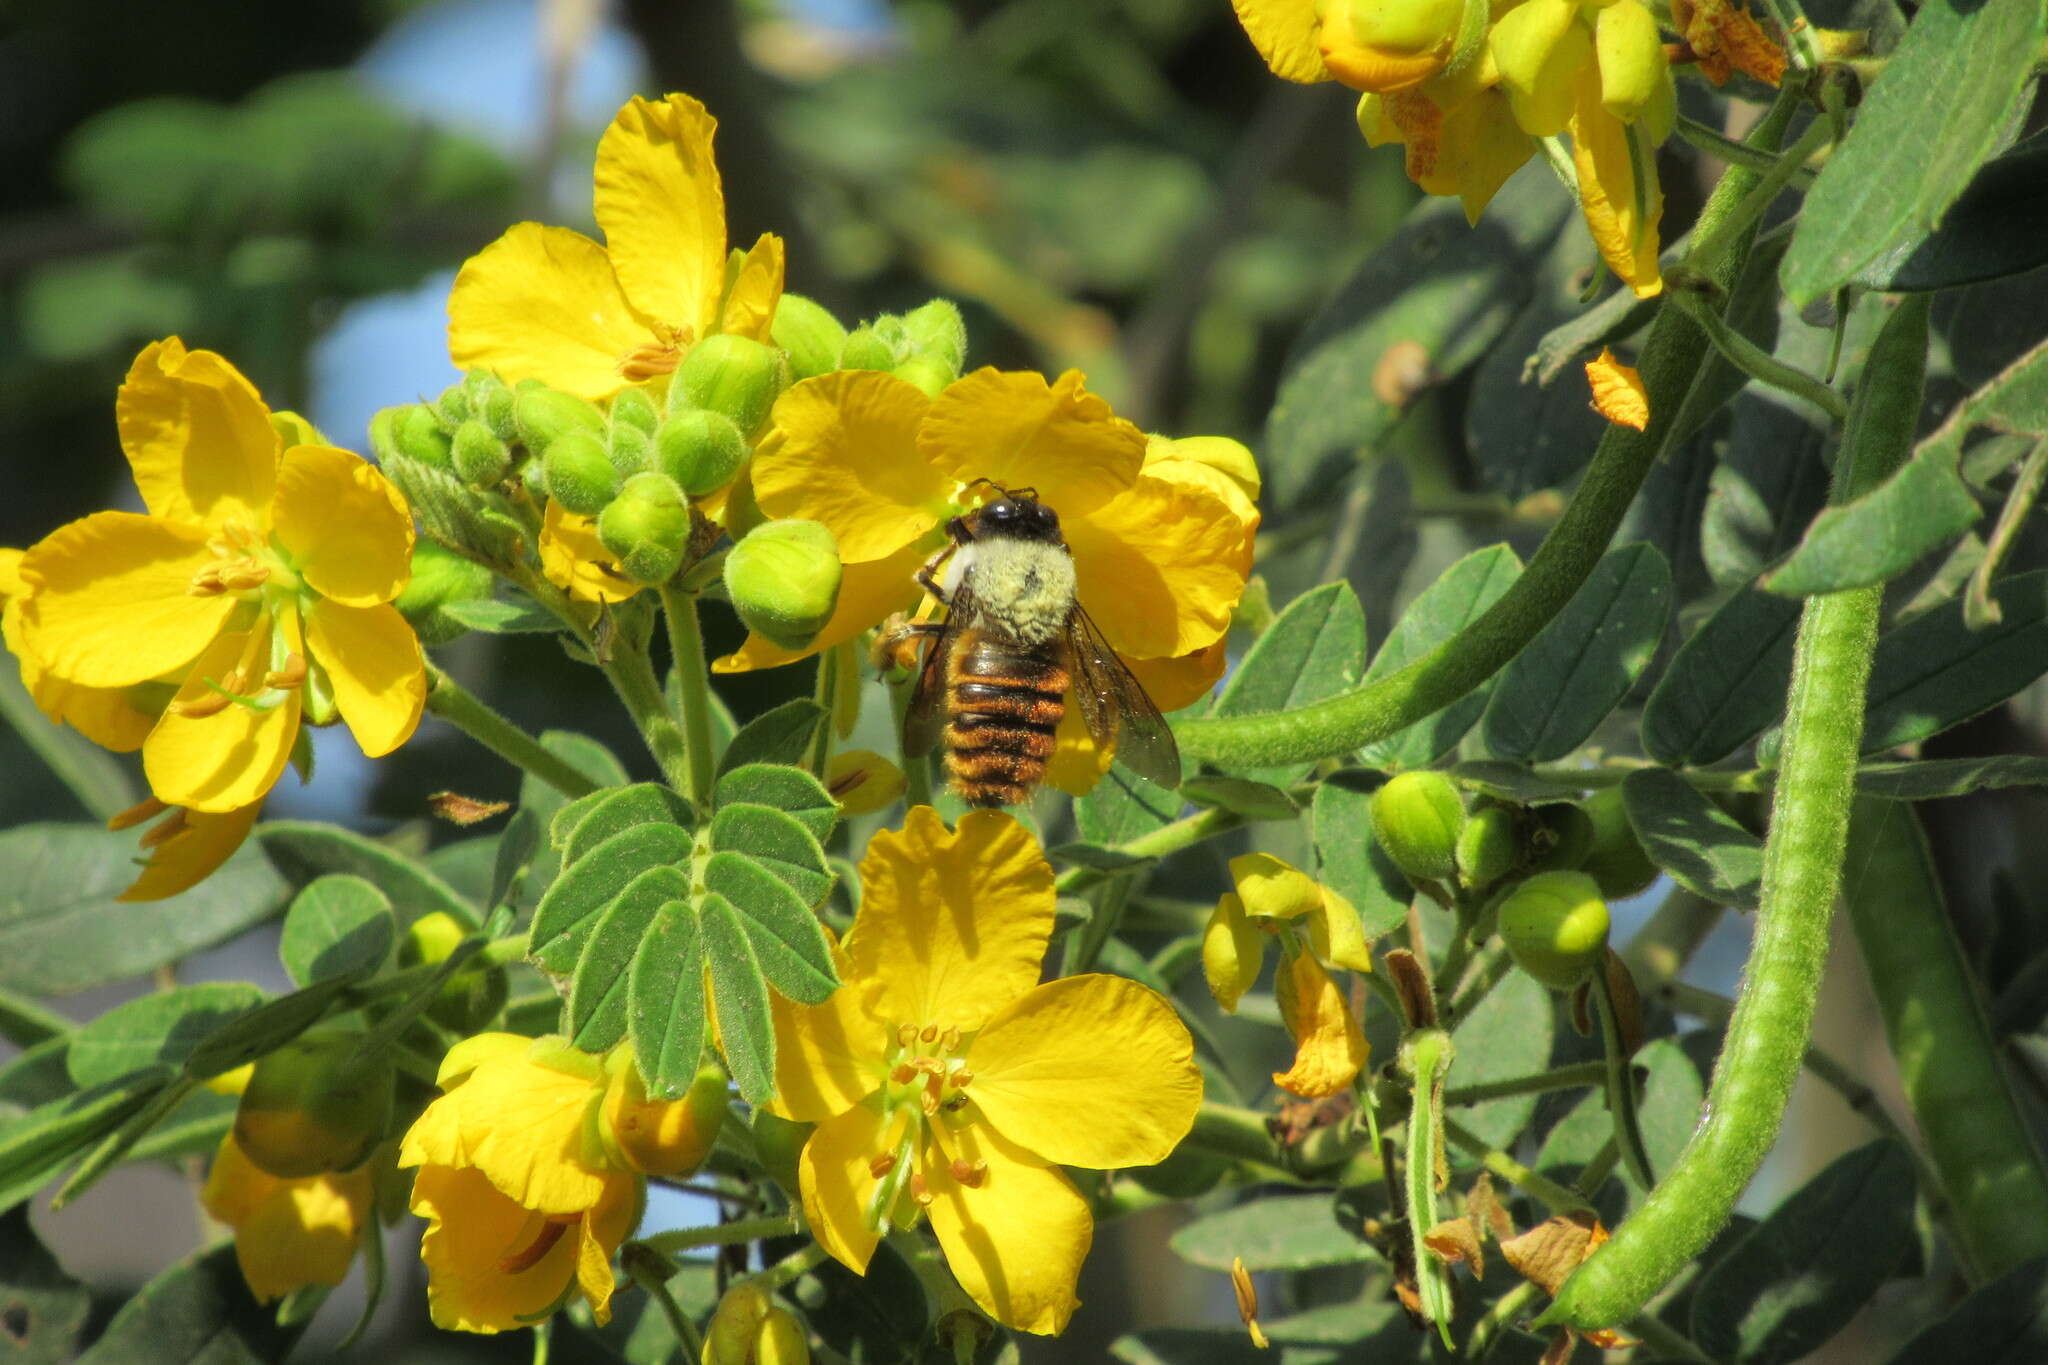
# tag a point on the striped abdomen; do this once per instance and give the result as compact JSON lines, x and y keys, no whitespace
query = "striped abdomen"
{"x":1003,"y":704}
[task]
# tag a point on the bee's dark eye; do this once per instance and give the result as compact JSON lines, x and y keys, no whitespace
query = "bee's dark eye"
{"x":1002,"y":509}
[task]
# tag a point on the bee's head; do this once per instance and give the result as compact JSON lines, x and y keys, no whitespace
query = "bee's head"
{"x":1019,"y":515}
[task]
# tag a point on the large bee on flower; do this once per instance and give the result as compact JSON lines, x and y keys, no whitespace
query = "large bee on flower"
{"x":997,"y":671}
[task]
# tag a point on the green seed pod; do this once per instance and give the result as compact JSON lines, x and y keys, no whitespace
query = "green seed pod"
{"x":1614,"y":856}
{"x":1417,"y":818}
{"x":452,"y":407}
{"x":439,"y":578}
{"x":1555,"y":927}
{"x":542,"y":415}
{"x":734,"y":375}
{"x":496,"y":409}
{"x":580,"y":474}
{"x":929,"y":375}
{"x":480,"y":457}
{"x":784,"y":580}
{"x":864,"y":350}
{"x":417,"y":436}
{"x":310,"y":1107}
{"x":647,"y":526}
{"x":1563,"y":834}
{"x":631,"y":449}
{"x":938,"y":332}
{"x":469,"y":999}
{"x":1487,"y":847}
{"x":811,"y":335}
{"x":700,"y":450}
{"x":633,"y":406}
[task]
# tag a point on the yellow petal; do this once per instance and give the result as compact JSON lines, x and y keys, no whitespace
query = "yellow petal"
{"x":104,"y":715}
{"x":1232,"y":952}
{"x":229,"y":758}
{"x":1272,"y":889}
{"x":472,"y":1052}
{"x":601,"y":1232}
{"x":868,"y":594}
{"x":837,"y":1183}
{"x":1213,"y":462}
{"x":1540,"y":46}
{"x":288,"y":1233}
{"x":662,"y":209}
{"x":112,"y":605}
{"x":1077,"y":763}
{"x":829,"y":1057}
{"x":1481,"y":146}
{"x":197,"y":436}
{"x":576,"y":561}
{"x":1160,"y":568}
{"x":374,"y":662}
{"x":756,"y":289}
{"x":1284,"y":32}
{"x":521,"y":1125}
{"x":1013,"y":428}
{"x":542,"y":303}
{"x":1618,"y":392}
{"x":843,"y":451}
{"x":1329,"y":1048}
{"x":1337,"y":934}
{"x":1174,"y":684}
{"x":952,"y":924}
{"x":1016,"y":1239}
{"x":474,"y":1238}
{"x":203,"y":842}
{"x":1088,"y":1071}
{"x":1618,"y":191}
{"x":1630,"y":51}
{"x":346,"y":529}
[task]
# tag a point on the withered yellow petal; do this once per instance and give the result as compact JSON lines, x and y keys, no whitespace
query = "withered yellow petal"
{"x":1618,"y":392}
{"x":542,"y":303}
{"x":1338,"y":935}
{"x":197,"y":436}
{"x":1618,"y":190}
{"x":1329,"y":1047}
{"x":1232,"y":952}
{"x":662,"y":208}
{"x":347,"y":530}
{"x":1273,"y":889}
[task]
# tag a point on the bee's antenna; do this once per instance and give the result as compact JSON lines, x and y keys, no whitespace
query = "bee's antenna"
{"x":1031,"y":493}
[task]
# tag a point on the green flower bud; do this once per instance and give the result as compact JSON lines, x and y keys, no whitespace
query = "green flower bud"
{"x":580,"y":473}
{"x":543,"y":415}
{"x":779,"y":1142}
{"x":1614,"y":857}
{"x":1563,"y":835}
{"x":784,"y":580}
{"x":310,"y":1107}
{"x":633,"y":406}
{"x":533,"y":477}
{"x":631,"y":449}
{"x":1555,"y":927}
{"x":735,"y":375}
{"x":1417,"y":818}
{"x":647,"y":526}
{"x":384,"y":433}
{"x":937,"y":331}
{"x":469,"y":999}
{"x":927,"y":374}
{"x":479,"y":385}
{"x":480,"y":457}
{"x":700,"y":450}
{"x":452,"y":407}
{"x":1487,"y":847}
{"x":439,"y":578}
{"x":416,"y":435}
{"x":811,"y":335}
{"x":496,"y":409}
{"x":866,"y":351}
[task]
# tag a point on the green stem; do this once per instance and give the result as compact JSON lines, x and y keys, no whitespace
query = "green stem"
{"x":1980,"y":609}
{"x":831,"y":664}
{"x":1172,"y":838}
{"x":632,"y":676}
{"x":1666,"y":1342}
{"x":1614,"y":772}
{"x":1716,"y":143}
{"x":1427,"y":1056}
{"x":25,"y":1022}
{"x":917,"y":772}
{"x":724,"y":1234}
{"x":1621,"y":1085}
{"x":1745,"y":355}
{"x":1558,"y":1078}
{"x":1542,"y":1188}
{"x":495,"y":953}
{"x":693,"y":682}
{"x":460,"y":707}
{"x":1493,"y":1324}
{"x":1780,"y":171}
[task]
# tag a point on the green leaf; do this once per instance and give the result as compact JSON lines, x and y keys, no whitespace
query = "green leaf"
{"x":587,"y":822}
{"x":1512,"y":782}
{"x":511,"y":858}
{"x":1280,"y":1232}
{"x":1580,"y":666}
{"x":1812,"y":1265}
{"x":61,"y":930}
{"x":155,"y":1030}
{"x":1668,"y":1111}
{"x":336,"y":926}
{"x":788,"y":941}
{"x":1312,"y":650}
{"x":517,"y":616}
{"x":1441,"y":610}
{"x":1124,"y":806}
{"x":790,"y":790}
{"x":569,"y":911}
{"x":1349,"y":860}
{"x":1252,"y":800}
{"x":599,"y":992}
{"x":42,"y":1309}
{"x":2003,"y":1323}
{"x":266,"y":1027}
{"x":1935,"y":778}
{"x":35,"y":1144}
{"x":1698,"y":843}
{"x":665,"y":1002}
{"x":1934,"y":671}
{"x":199,"y":1312}
{"x":1947,"y":96}
{"x":304,"y":850}
{"x":781,"y":735}
{"x":777,"y":842}
{"x":1923,"y":506}
{"x":1990,"y":232}
{"x":93,"y":776}
{"x":1725,"y":684}
{"x":746,"y":1030}
{"x":1507,"y":1035}
{"x":2014,"y":401}
{"x":1764,"y":492}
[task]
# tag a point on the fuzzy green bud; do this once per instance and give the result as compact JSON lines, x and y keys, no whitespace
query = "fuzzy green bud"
{"x":938,"y":332}
{"x":1555,"y":927}
{"x":439,"y":578}
{"x":864,"y":350}
{"x":927,"y":374}
{"x":700,"y":450}
{"x":452,"y":407}
{"x":811,"y":335}
{"x":1417,"y":818}
{"x":1487,"y":847}
{"x":631,"y":449}
{"x":472,"y":996}
{"x":647,"y":526}
{"x":543,"y":416}
{"x":735,"y":375}
{"x":635,"y":408}
{"x":1614,"y":856}
{"x":480,"y":458}
{"x":784,"y":580}
{"x":1562,"y":838}
{"x":415,"y":433}
{"x":496,"y":410}
{"x":312,"y":1107}
{"x":580,"y":473}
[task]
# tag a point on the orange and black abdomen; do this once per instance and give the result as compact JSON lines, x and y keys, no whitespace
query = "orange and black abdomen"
{"x":1003,"y":705}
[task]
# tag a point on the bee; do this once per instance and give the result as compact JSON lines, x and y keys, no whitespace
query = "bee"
{"x":997,"y":671}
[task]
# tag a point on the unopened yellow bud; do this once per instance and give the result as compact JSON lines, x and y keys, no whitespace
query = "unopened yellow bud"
{"x":1232,"y":952}
{"x":414,"y":432}
{"x":863,"y":781}
{"x":784,"y":580}
{"x":312,"y":1106}
{"x":735,"y":1325}
{"x":1487,"y":847}
{"x":865,"y":350}
{"x":656,"y":1137}
{"x":938,"y":332}
{"x":701,"y":450}
{"x":635,"y":408}
{"x":925,"y":374}
{"x":781,"y":1340}
{"x":1555,"y":927}
{"x":479,"y":457}
{"x":1633,"y":67}
{"x":1417,"y":818}
{"x":1539,"y":47}
{"x":579,"y":472}
{"x":1272,"y":889}
{"x":544,"y":415}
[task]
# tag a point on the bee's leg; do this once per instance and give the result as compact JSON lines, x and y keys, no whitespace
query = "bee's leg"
{"x":896,"y":645}
{"x":928,"y":576}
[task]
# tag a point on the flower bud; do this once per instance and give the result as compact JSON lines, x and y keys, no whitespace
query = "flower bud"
{"x":1555,"y":927}
{"x":1388,"y":45}
{"x":1614,"y":857}
{"x":663,"y":1137}
{"x":411,"y":432}
{"x":647,"y":526}
{"x":1232,"y":952}
{"x":630,"y":448}
{"x":866,"y":351}
{"x":863,"y":781}
{"x":579,"y":473}
{"x":735,"y":375}
{"x":452,"y":407}
{"x":784,"y":580}
{"x":469,"y":999}
{"x":779,"y":1143}
{"x":937,"y":332}
{"x":700,"y":450}
{"x":496,"y":410}
{"x":928,"y":375}
{"x":1487,"y":847}
{"x":781,"y":1340}
{"x":480,"y":458}
{"x":310,"y":1107}
{"x":735,"y":1325}
{"x":811,"y":335}
{"x":543,"y":416}
{"x":439,"y":578}
{"x":1417,"y":818}
{"x":635,"y":408}
{"x":1562,"y":838}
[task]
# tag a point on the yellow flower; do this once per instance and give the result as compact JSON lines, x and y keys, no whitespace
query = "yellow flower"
{"x":256,"y":589}
{"x":1725,"y":40}
{"x":944,"y":1079}
{"x":184,"y":847}
{"x":548,"y":303}
{"x":523,"y":1206}
{"x":288,"y":1233}
{"x":1459,"y":132}
{"x":1161,"y":532}
{"x":1377,"y":45}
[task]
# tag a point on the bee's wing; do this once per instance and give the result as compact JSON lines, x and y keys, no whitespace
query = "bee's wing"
{"x":925,"y":720}
{"x":1115,"y":706}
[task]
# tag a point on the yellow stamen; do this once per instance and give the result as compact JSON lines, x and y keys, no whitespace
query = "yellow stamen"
{"x":920,"y":1191}
{"x":882,"y":1165}
{"x":291,"y":675}
{"x":962,"y":1078}
{"x":135,"y":815}
{"x":1247,"y":1301}
{"x":166,"y":830}
{"x":903,"y":1073}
